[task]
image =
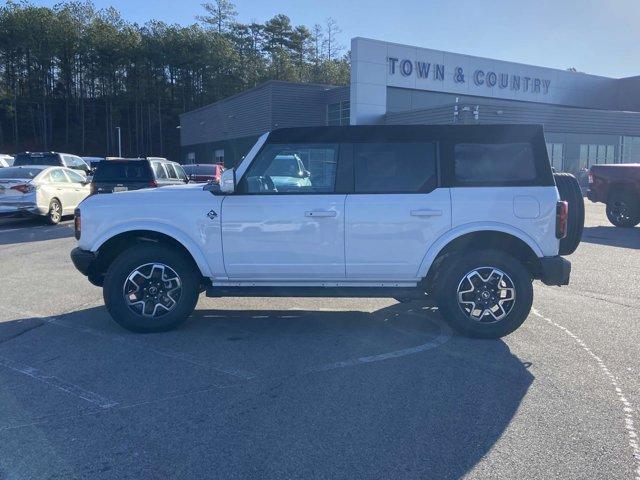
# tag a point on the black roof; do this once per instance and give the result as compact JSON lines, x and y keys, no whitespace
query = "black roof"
{"x":405,"y":133}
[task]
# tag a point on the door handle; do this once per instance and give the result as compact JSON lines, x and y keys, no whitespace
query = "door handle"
{"x":426,"y":213}
{"x":321,"y":213}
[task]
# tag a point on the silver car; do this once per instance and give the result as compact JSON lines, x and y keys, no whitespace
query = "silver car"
{"x":50,"y":192}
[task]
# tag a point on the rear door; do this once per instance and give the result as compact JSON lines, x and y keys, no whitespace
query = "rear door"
{"x":396,"y":211}
{"x":294,"y":231}
{"x":62,"y":188}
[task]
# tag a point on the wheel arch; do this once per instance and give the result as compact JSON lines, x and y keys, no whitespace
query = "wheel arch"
{"x":110,"y":245}
{"x":497,"y":237}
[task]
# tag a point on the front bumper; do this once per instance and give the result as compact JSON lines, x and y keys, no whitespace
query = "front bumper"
{"x":555,"y":270}
{"x":83,"y":260}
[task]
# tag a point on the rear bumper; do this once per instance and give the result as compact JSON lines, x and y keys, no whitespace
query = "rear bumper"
{"x":555,"y":270}
{"x":19,"y":209}
{"x":82,"y":260}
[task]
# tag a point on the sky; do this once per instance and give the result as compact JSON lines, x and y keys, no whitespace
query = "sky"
{"x":595,"y":36}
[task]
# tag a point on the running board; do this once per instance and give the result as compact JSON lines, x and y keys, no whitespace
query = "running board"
{"x":339,"y":292}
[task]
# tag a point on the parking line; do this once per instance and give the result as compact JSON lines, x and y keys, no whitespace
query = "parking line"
{"x":58,"y":383}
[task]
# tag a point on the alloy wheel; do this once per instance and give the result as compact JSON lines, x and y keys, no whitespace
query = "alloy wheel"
{"x":152,"y":290}
{"x":486,"y":294}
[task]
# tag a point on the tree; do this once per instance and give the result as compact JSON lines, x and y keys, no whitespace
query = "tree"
{"x":221,"y":14}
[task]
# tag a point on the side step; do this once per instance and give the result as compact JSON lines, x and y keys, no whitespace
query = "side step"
{"x":337,"y":292}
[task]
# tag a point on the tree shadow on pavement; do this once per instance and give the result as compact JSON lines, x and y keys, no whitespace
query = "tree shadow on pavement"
{"x":612,"y":236}
{"x":241,"y":393}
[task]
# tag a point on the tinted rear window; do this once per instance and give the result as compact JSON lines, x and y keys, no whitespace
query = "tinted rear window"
{"x":494,"y":163}
{"x":36,"y":159}
{"x":10,"y":172}
{"x":395,"y":167}
{"x":114,"y":171}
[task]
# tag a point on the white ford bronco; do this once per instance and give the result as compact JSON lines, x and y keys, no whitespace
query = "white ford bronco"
{"x":466,"y":215}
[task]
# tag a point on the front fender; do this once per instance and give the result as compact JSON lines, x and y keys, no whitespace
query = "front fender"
{"x":164,"y":228}
{"x":460,"y":230}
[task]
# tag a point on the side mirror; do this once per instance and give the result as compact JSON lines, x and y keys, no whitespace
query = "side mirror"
{"x":228,"y":181}
{"x":306,"y":174}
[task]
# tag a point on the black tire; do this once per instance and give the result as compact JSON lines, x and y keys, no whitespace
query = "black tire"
{"x":623,"y":209}
{"x":54,"y":215}
{"x":143,"y":255}
{"x":454,"y":277}
{"x":569,"y":190}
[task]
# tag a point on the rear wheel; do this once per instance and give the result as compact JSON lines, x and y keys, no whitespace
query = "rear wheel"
{"x":55,"y":212}
{"x":569,"y":190}
{"x":151,"y":288}
{"x":623,"y":209}
{"x":484,"y":294}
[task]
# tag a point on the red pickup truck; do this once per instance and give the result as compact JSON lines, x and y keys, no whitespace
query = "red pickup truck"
{"x":619,"y":187}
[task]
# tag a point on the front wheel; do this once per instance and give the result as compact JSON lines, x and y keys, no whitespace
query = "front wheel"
{"x":484,"y":294}
{"x":151,"y":288}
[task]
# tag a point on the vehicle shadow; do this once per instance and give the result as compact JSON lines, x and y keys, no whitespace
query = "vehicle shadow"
{"x":425,"y":413}
{"x":612,"y":236}
{"x":14,"y":231}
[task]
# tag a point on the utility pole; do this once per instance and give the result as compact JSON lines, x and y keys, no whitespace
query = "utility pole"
{"x":119,"y":142}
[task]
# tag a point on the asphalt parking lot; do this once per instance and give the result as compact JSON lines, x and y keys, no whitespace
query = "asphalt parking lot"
{"x":317,"y":388}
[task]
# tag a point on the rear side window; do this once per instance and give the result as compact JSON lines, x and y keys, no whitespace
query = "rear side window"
{"x":159,"y":171}
{"x":395,"y":167}
{"x":114,"y":171}
{"x":58,"y":176}
{"x":494,"y":163}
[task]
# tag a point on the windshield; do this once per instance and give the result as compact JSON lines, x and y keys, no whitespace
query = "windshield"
{"x":12,"y":172}
{"x":285,"y":166}
{"x":51,"y":159}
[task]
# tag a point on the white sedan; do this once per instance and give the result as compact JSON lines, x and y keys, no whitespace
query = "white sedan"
{"x":50,"y":192}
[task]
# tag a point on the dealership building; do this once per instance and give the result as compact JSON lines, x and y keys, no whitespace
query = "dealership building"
{"x":588,"y":119}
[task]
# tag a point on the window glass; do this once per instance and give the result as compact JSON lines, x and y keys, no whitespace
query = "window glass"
{"x":58,"y":176}
{"x":171,"y":171}
{"x":494,"y":163}
{"x":338,"y":113}
{"x":22,"y":172}
{"x":180,"y":171}
{"x":36,"y":159}
{"x":630,"y":149}
{"x":556,"y":155}
{"x":122,"y":171}
{"x":75,"y":177}
{"x":295,"y":168}
{"x":159,"y":171}
{"x":395,"y":167}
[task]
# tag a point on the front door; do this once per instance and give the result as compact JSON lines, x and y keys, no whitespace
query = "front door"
{"x":396,"y":211}
{"x":285,"y":220}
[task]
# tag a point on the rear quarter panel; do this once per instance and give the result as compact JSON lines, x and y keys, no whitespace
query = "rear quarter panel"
{"x":526,"y":212}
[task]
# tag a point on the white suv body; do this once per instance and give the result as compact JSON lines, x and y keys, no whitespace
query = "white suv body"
{"x":383,"y":211}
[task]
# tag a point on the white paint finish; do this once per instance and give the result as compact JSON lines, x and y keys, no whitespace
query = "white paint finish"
{"x":384,"y":240}
{"x":526,"y":207}
{"x":565,"y":88}
{"x":627,"y":408}
{"x":271,"y":236}
{"x":495,"y":205}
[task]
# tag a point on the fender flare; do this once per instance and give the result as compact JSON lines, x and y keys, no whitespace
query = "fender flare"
{"x":169,"y":230}
{"x":442,"y":241}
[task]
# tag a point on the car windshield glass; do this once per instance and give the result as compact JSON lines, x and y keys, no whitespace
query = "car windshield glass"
{"x":115,"y":171}
{"x":36,"y":159}
{"x":285,"y":166}
{"x":19,"y":172}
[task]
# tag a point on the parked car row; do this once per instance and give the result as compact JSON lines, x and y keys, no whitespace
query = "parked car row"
{"x":51,"y":184}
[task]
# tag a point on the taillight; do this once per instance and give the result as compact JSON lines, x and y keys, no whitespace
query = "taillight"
{"x":562,"y":217}
{"x":25,"y":188}
{"x":77,"y":223}
{"x":153,"y":184}
{"x":590,"y":177}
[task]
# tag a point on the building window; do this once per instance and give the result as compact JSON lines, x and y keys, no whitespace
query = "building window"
{"x":630,"y":149}
{"x":556,"y":155}
{"x":339,"y":113}
{"x":191,"y":157}
{"x":592,"y":154}
{"x":219,"y":156}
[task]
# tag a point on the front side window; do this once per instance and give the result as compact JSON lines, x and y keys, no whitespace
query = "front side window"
{"x":75,"y":177}
{"x":395,"y":167}
{"x":292,"y":168}
{"x":494,"y":163}
{"x":171,"y":171}
{"x":159,"y":171}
